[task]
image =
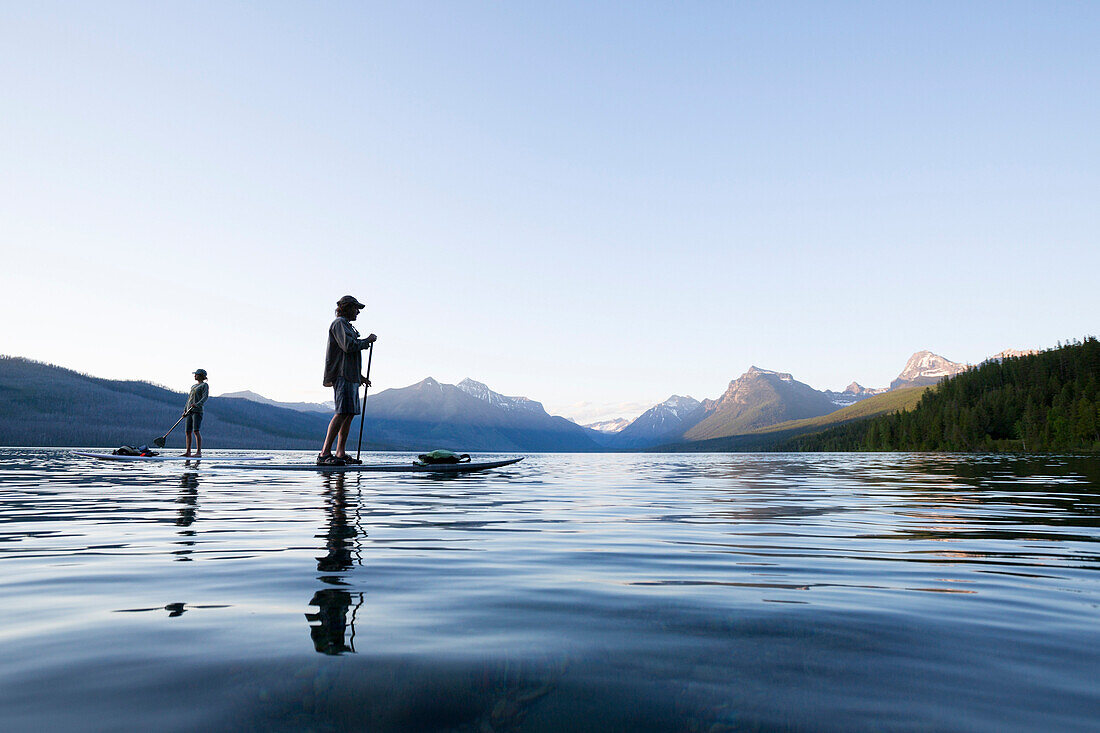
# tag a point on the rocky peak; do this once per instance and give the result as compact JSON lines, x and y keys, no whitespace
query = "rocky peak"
{"x":755,"y":371}
{"x":748,"y":382}
{"x":924,"y":367}
{"x":927,"y":364}
{"x":474,"y":388}
{"x":1012,"y":354}
{"x":482,"y":392}
{"x":678,"y":405}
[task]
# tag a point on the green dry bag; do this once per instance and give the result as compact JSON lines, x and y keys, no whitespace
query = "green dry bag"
{"x":442,"y":456}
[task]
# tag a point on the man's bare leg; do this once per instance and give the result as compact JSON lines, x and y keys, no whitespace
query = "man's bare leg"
{"x":188,"y":451}
{"x":330,"y":434}
{"x":342,"y":439}
{"x":198,"y":444}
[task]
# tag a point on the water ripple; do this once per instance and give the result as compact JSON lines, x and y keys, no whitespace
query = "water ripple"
{"x":632,"y":592}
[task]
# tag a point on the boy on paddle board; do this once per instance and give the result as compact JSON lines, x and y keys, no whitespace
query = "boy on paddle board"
{"x":344,"y":373}
{"x":196,"y":398}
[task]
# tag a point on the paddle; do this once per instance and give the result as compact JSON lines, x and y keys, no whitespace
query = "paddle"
{"x":159,"y":442}
{"x":370,"y":355}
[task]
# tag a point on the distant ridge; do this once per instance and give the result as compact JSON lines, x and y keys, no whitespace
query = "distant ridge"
{"x":46,"y":405}
{"x":467,"y":416}
{"x":299,"y":406}
{"x":614,"y":425}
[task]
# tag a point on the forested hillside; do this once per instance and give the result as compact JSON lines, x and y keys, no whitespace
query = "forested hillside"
{"x":45,"y":405}
{"x":1045,"y":402}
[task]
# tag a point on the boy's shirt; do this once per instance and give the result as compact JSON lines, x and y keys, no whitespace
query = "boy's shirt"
{"x":198,"y":395}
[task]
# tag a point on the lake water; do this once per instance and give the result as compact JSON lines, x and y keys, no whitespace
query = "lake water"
{"x":568,"y":592}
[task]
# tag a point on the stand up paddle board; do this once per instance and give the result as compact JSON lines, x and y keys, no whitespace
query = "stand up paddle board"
{"x":378,"y":467}
{"x":155,"y":459}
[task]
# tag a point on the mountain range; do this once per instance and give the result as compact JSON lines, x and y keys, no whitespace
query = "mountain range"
{"x":468,"y":416}
{"x":471,"y":417}
{"x":752,"y":405}
{"x":757,"y":399}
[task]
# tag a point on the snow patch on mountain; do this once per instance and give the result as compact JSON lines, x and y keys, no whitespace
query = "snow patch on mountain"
{"x":755,"y":370}
{"x":1012,"y":354}
{"x":482,"y":392}
{"x":927,"y":364}
{"x":609,"y":426}
{"x":924,"y":367}
{"x":677,"y":406}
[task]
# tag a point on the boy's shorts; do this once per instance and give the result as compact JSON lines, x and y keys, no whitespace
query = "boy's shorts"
{"x":194,"y":422}
{"x":346,"y":395}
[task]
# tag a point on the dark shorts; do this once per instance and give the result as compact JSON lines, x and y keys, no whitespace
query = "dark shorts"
{"x":346,"y":397}
{"x":194,"y":422}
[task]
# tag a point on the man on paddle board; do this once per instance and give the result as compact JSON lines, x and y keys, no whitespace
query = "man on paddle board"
{"x":196,"y":398}
{"x":344,"y":373}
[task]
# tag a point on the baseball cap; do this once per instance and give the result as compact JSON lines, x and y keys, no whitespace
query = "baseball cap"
{"x":349,"y":300}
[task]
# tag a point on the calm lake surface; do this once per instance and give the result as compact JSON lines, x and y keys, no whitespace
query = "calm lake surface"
{"x":568,"y":592}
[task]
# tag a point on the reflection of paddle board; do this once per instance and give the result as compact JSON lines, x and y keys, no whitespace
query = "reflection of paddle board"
{"x":384,"y":467}
{"x":113,"y":457}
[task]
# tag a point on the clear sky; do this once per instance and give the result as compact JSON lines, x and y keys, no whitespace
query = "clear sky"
{"x":595,"y":205}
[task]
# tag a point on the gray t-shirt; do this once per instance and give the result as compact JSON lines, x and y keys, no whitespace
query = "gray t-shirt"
{"x":344,"y":355}
{"x":197,"y":397}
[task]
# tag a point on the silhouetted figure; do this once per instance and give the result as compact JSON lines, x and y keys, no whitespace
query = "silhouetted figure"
{"x":329,"y":626}
{"x":339,"y":534}
{"x":343,"y":372}
{"x":188,"y":501}
{"x":188,"y":498}
{"x":196,"y":398}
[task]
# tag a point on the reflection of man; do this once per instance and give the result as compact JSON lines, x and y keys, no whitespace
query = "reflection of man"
{"x":188,"y":500}
{"x":329,"y":625}
{"x":339,"y":534}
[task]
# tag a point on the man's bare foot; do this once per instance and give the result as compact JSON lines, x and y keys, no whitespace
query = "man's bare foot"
{"x":186,"y":455}
{"x":198,"y":454}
